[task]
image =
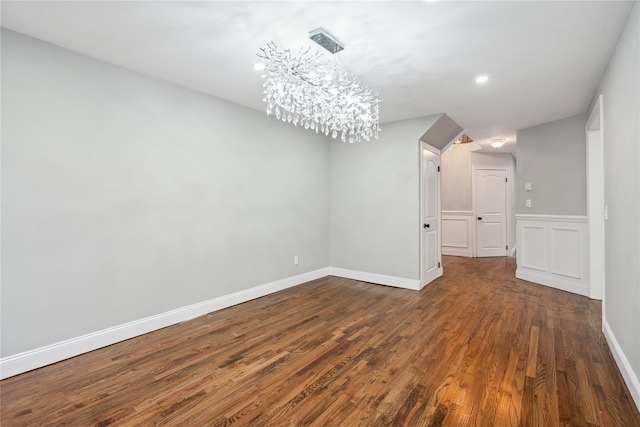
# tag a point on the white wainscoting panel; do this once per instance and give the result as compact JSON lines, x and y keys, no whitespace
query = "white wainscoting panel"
{"x":566,"y":246}
{"x":553,"y":251}
{"x":533,"y":254}
{"x":457,"y":233}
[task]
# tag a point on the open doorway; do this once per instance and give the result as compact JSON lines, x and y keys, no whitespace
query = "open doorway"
{"x":430,"y":213}
{"x":463,"y":233}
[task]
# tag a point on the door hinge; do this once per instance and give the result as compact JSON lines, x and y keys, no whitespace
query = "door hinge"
{"x":507,"y":247}
{"x":506,"y":180}
{"x":438,"y":265}
{"x":438,"y":168}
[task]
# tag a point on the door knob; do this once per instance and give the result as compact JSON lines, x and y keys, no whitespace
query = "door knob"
{"x":426,"y":226}
{"x":479,"y":218}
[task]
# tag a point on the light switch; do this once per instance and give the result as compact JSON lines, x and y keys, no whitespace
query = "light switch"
{"x":527,"y":186}
{"x":527,"y":203}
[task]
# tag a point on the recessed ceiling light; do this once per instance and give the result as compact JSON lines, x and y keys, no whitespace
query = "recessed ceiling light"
{"x":497,"y":142}
{"x":482,"y":79}
{"x":258,"y":66}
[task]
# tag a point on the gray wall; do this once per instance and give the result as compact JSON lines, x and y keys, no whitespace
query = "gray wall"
{"x":620,"y":88}
{"x":552,"y":157}
{"x":441,"y":132}
{"x":124,"y":196}
{"x":456,"y":178}
{"x":374,"y":201}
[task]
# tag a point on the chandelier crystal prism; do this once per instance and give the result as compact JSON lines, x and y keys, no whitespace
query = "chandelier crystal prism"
{"x":305,"y":90}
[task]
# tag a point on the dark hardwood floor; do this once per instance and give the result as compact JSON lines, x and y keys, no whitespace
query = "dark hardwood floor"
{"x":477,"y":347}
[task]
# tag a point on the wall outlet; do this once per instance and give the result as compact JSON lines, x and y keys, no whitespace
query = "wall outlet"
{"x":295,"y":260}
{"x":527,"y":186}
{"x":527,"y":203}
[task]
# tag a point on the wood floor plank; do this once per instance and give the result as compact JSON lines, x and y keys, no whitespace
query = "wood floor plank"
{"x":475,"y":347}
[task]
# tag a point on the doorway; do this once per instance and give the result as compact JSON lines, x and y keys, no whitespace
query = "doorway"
{"x":430,"y":238}
{"x":492,"y":210}
{"x":595,"y":201}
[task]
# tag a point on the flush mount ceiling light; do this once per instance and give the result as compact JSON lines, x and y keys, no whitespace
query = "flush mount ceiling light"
{"x":304,"y":89}
{"x":497,"y":142}
{"x":482,"y":79}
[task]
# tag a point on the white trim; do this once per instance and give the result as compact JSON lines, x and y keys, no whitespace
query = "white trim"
{"x":452,"y":251}
{"x":630,"y":377}
{"x":474,"y":222}
{"x":379,"y":279}
{"x":594,"y":136}
{"x":457,"y":213}
{"x":554,"y":218}
{"x":595,"y":114}
{"x":450,"y":143}
{"x":39,"y":357}
{"x":513,"y":250}
{"x":431,"y":148}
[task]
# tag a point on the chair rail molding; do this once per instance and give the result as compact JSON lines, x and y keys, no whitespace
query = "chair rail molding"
{"x":553,"y":218}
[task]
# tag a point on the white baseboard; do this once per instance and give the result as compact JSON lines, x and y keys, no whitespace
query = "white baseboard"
{"x":446,"y":250}
{"x":381,"y":279}
{"x":513,"y":250}
{"x":630,"y":377}
{"x":542,"y":278}
{"x":32,"y":359}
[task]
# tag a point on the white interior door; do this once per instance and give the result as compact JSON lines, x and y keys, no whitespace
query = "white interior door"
{"x":491,"y":212}
{"x":431,"y":258}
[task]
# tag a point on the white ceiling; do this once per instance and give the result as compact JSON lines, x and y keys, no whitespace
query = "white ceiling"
{"x":544,"y":59}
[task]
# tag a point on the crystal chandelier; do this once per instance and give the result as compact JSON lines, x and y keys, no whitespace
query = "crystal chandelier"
{"x":303,"y":89}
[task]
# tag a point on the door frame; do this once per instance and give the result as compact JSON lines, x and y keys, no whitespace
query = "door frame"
{"x":594,"y":130}
{"x":474,"y":234}
{"x":434,"y":150}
